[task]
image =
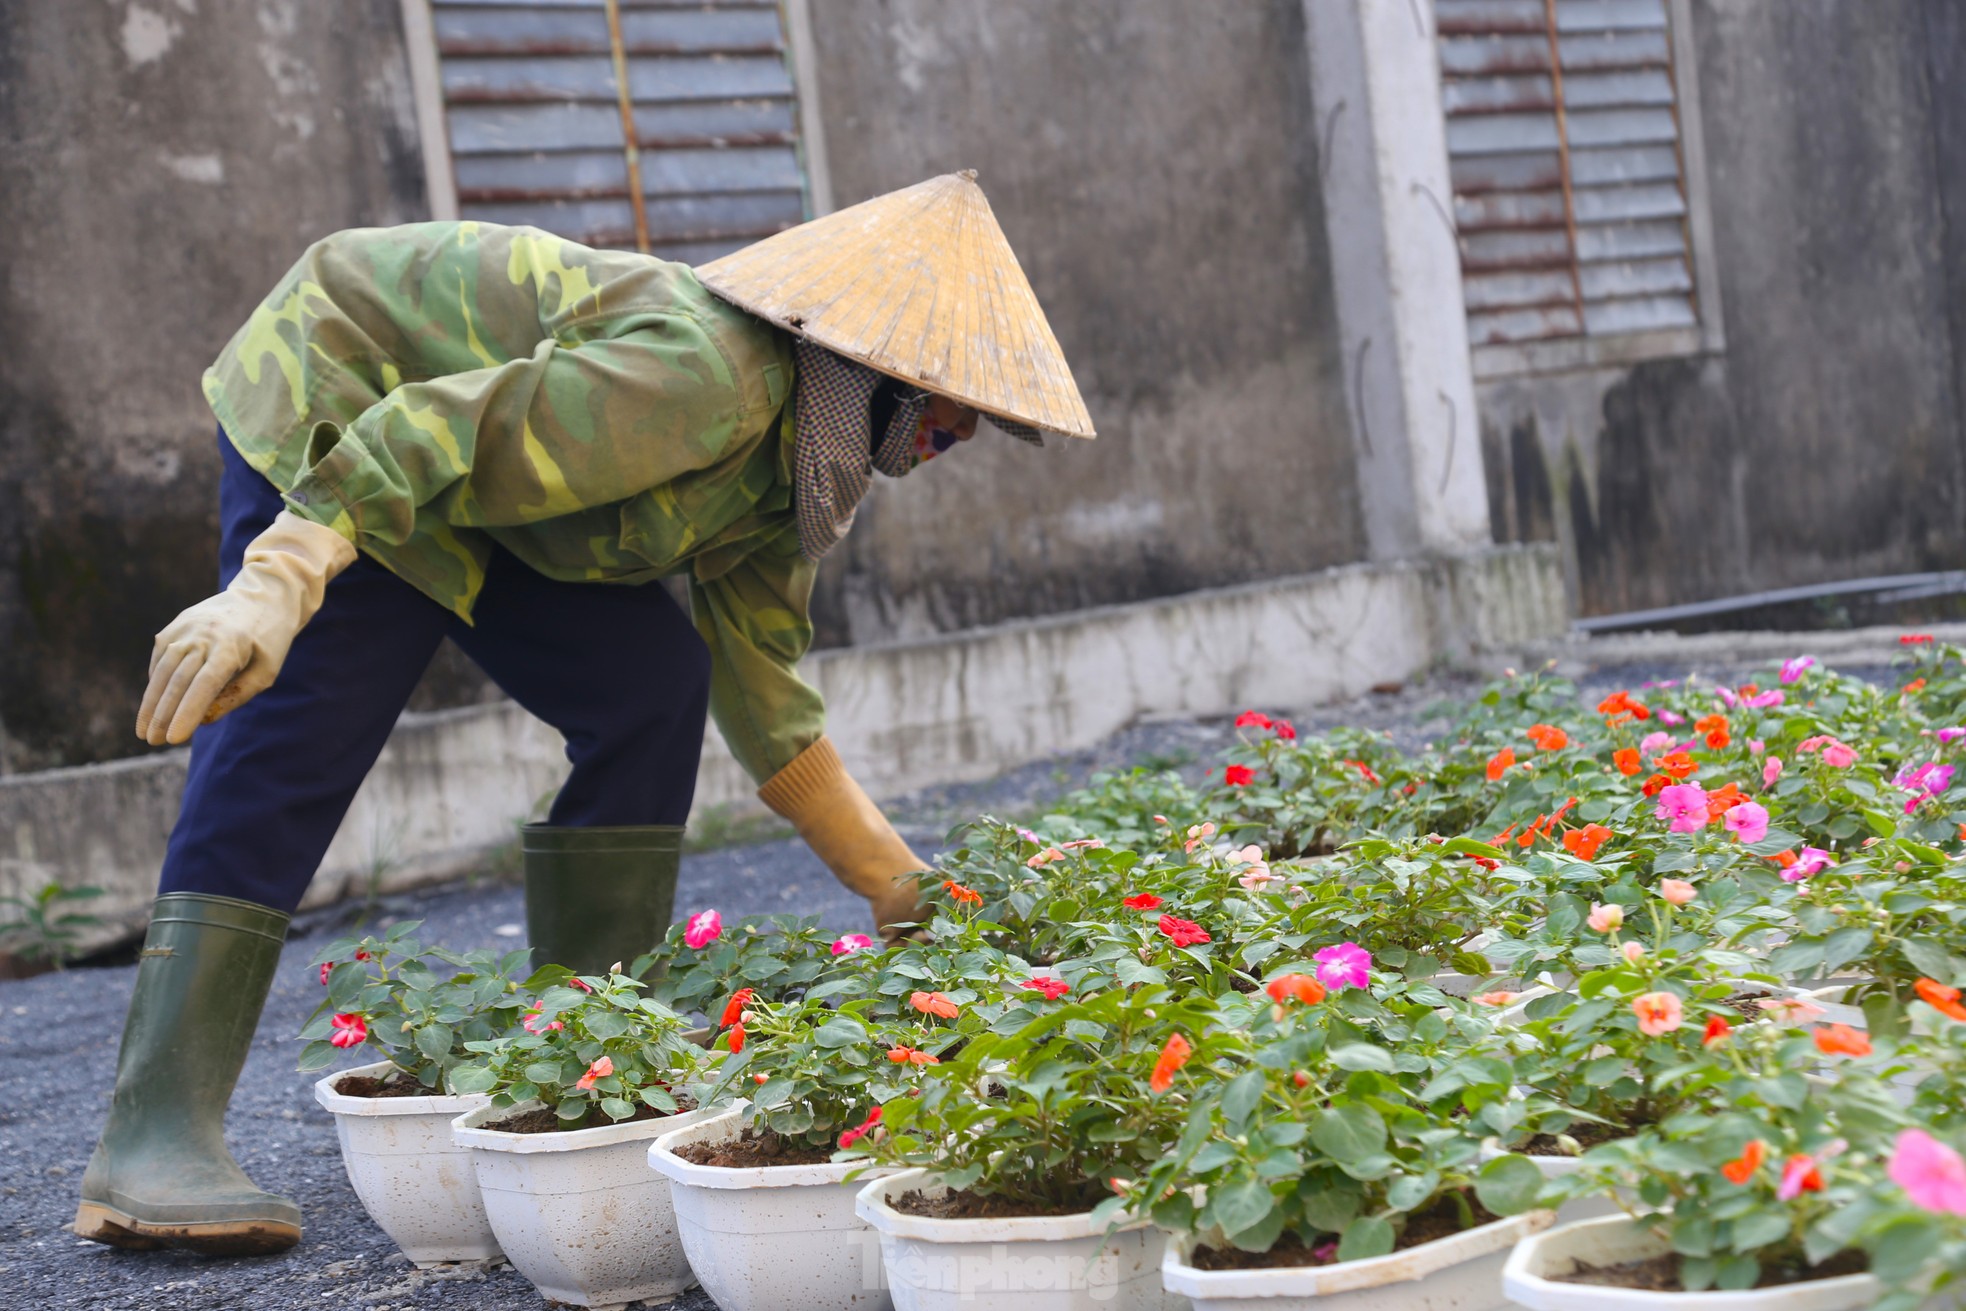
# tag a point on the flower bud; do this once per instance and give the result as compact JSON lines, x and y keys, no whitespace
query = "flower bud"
{"x":1634,"y":952}
{"x":1301,"y":1079}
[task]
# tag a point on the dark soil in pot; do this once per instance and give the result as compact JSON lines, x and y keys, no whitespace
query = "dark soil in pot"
{"x":1660,"y":1274}
{"x":1586,"y":1137}
{"x":544,"y":1119}
{"x":752,"y":1149}
{"x":398,"y":1084}
{"x":1441,"y":1220}
{"x":961,"y":1204}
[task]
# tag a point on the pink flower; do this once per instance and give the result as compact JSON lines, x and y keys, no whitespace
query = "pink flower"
{"x":1346,"y":965}
{"x":1658,"y":1012}
{"x":1947,"y":736}
{"x":1792,"y":670}
{"x":1931,"y":1173}
{"x":1838,"y":756}
{"x":704,"y":928}
{"x":1653,"y":743}
{"x":1494,"y":998}
{"x":848,"y":943}
{"x":1634,"y":952}
{"x":531,"y":1023}
{"x":1684,"y":805}
{"x":1756,"y":746}
{"x":1811,"y":860}
{"x":1773,"y":697}
{"x":1052,"y":988}
{"x":327,"y":968}
{"x":1789,"y":1010}
{"x":1726,"y":694}
{"x":1771,"y":769}
{"x":1748,"y":821}
{"x":349,"y":1030}
{"x":1044,"y":858}
{"x":1671,"y":719}
{"x":1929,"y":780}
{"x":1800,"y":1174}
{"x":600,"y":1069}
{"x":1677,"y":891}
{"x":1606,"y":918}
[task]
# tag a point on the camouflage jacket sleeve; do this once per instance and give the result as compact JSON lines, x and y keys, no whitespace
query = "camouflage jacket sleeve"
{"x":557,"y":431}
{"x":754,"y":618}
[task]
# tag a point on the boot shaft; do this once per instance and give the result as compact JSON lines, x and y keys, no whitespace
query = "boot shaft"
{"x":595,"y":896}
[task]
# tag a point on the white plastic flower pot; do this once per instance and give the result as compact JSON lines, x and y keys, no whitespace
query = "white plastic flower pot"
{"x":1533,"y":1276}
{"x":1462,"y":1272}
{"x":771,"y":1237}
{"x":415,"y":1183}
{"x":1554,"y":1168}
{"x":1034,"y":1263}
{"x":580,"y":1213}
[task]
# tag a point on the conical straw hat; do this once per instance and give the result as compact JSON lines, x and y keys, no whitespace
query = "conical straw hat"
{"x":922,"y":285}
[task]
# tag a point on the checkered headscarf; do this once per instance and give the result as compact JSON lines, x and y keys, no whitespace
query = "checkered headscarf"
{"x":834,"y":456}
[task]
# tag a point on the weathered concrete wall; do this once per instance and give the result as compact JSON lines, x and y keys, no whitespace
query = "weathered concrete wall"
{"x":161,"y":162}
{"x":1155,"y":166}
{"x":1826,"y":441}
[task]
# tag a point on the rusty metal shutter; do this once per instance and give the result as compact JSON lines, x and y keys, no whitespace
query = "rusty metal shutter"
{"x":1564,"y":146}
{"x":535,"y":115}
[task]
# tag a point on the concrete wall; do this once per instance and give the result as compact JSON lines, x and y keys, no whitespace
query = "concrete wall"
{"x":1155,"y":166}
{"x":161,"y":162}
{"x":1825,"y":442}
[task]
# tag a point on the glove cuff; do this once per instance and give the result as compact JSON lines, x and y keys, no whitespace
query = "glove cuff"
{"x":814,"y":774}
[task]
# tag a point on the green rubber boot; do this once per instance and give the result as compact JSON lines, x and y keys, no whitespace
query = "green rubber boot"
{"x":161,"y":1176}
{"x":595,"y":896}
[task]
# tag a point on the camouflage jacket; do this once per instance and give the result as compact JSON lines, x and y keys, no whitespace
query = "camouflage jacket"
{"x":431,"y":389}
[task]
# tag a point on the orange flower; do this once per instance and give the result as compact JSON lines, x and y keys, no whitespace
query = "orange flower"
{"x":1941,"y":998}
{"x":1723,"y":799}
{"x":1742,"y":1168}
{"x":1656,"y":784}
{"x":1626,"y":759}
{"x":1619,"y":707}
{"x":1584,"y":842}
{"x":1915,"y":685}
{"x":1172,"y":1057}
{"x":1842,"y":1040}
{"x":1548,"y":737}
{"x":734,"y":1008}
{"x":1678,"y":764}
{"x":736,"y":1039}
{"x":961,"y":895}
{"x":911,"y":1056}
{"x":1499,"y":762}
{"x":1295,"y":987}
{"x":1715,"y":727}
{"x":601,"y":1069}
{"x":934,"y":1003}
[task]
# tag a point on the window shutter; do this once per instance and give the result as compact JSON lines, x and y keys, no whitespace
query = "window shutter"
{"x":1564,"y":145}
{"x":535,"y":119}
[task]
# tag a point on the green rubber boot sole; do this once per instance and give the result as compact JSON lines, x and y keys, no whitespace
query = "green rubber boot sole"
{"x":597,"y":896}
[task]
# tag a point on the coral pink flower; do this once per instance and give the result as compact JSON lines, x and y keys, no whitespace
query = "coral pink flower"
{"x":1838,"y":756}
{"x":1172,"y":1057}
{"x":1658,"y":1012}
{"x":1606,"y":918}
{"x":1633,"y":952}
{"x":1044,"y":858}
{"x":703,"y":928}
{"x":602,"y":1068}
{"x":533,"y":1024}
{"x":1748,"y":821}
{"x":1771,"y":769}
{"x":1141,"y":901}
{"x":861,"y":1130}
{"x":1799,"y":1175}
{"x":1789,"y":1010}
{"x":1183,"y":933}
{"x":934,"y":1003}
{"x":1793,"y":669}
{"x":1295,"y":987}
{"x":1238,"y":775}
{"x":1931,"y":1173}
{"x":1677,"y":891}
{"x":348,"y":1030}
{"x":1684,"y":806}
{"x":1499,"y":998}
{"x":1052,"y":988}
{"x":1346,"y":965}
{"x":848,"y":943}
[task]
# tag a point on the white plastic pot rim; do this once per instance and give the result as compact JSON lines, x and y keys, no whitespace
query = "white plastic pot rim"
{"x":341,"y":1104}
{"x":664,"y":1160}
{"x":1525,"y":1287}
{"x":467,"y":1131}
{"x":1347,"y":1276}
{"x":871,"y":1205}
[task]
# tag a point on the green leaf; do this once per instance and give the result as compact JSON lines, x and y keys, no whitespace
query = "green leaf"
{"x":1241,"y":1204}
{"x":1367,"y":1236}
{"x":472,"y":1079}
{"x":615,"y":1108}
{"x":1241,"y":1097}
{"x":1931,"y":959}
{"x":1361,"y":1056}
{"x":1509,"y":1184}
{"x":1408,"y":1192}
{"x":840,"y":1031}
{"x":1349,"y":1133}
{"x":1899,"y":1250}
{"x":1759,"y":1229}
{"x":435,"y":1040}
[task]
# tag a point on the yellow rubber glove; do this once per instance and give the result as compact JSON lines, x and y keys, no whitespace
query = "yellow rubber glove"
{"x":846,"y":829}
{"x":227,"y":649}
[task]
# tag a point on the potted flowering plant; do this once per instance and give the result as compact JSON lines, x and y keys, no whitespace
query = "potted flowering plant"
{"x":1768,"y":1188}
{"x":1013,"y":1144}
{"x":1315,"y":1167}
{"x":415,"y":1007}
{"x":595,"y":1071}
{"x":766,"y":1215}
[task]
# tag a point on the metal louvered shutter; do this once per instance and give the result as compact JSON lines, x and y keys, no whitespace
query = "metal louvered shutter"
{"x":1564,"y":144}
{"x":535,"y":120}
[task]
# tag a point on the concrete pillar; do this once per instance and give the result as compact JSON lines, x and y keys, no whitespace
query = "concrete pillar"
{"x":1375,"y":81}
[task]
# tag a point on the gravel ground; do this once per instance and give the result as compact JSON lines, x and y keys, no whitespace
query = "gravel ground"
{"x":58,"y":1036}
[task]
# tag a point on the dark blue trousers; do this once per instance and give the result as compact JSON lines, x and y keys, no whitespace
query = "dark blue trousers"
{"x":619,"y":671}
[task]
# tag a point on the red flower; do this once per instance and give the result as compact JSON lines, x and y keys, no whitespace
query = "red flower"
{"x":861,"y":1130}
{"x":1914,"y":639}
{"x":1238,"y":775}
{"x":1656,"y":784}
{"x":1252,"y":719}
{"x":961,"y":895}
{"x":1283,"y":730}
{"x":1052,"y":988}
{"x":734,"y":1008}
{"x":1185,"y":933}
{"x":1584,"y":842}
{"x":736,"y":1039}
{"x":1718,"y":1031}
{"x":1144,"y":901}
{"x":1842,"y":1040}
{"x":1548,"y":737}
{"x":1365,"y":770}
{"x":1941,"y":998}
{"x":1742,"y":1168}
{"x":1499,"y":763}
{"x":1295,"y":987}
{"x":349,"y":1030}
{"x":1172,"y":1058}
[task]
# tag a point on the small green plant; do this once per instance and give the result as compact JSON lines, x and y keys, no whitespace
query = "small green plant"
{"x":47,"y":925}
